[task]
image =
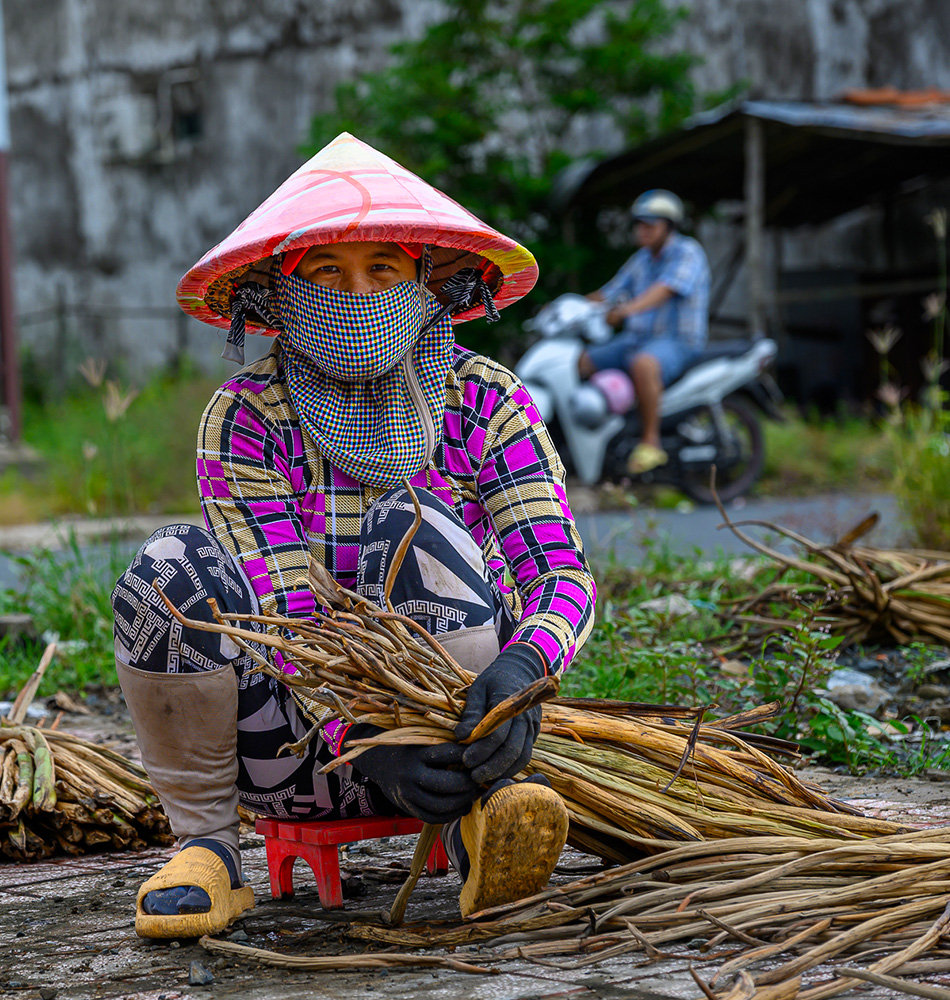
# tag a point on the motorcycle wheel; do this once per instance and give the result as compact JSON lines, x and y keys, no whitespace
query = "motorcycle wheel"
{"x":735,"y":474}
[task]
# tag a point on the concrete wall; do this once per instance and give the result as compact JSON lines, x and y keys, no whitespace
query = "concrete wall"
{"x":113,"y":199}
{"x":814,"y":49}
{"x":143,"y":132}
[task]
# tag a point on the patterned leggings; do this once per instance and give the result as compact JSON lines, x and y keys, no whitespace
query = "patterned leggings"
{"x":443,"y":584}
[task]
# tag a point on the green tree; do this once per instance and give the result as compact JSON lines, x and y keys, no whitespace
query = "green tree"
{"x":495,"y":99}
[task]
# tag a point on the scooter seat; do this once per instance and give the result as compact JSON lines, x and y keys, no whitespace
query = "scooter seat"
{"x":718,"y":349}
{"x":724,"y":349}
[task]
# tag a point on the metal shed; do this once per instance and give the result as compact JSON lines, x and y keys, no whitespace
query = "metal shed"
{"x":791,"y":163}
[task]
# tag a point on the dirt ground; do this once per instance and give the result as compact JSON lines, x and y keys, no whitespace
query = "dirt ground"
{"x":66,"y":925}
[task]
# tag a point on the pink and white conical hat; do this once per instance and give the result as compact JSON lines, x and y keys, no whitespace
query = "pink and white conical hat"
{"x":350,"y":192}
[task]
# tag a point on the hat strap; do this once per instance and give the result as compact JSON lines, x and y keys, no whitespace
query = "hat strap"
{"x":465,"y":290}
{"x":254,"y":298}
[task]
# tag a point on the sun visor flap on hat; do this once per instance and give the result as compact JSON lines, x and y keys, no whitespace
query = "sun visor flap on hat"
{"x":291,"y":259}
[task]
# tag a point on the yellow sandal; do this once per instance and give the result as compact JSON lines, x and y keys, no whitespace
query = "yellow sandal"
{"x":513,"y":842}
{"x":203,"y":868}
{"x":645,"y":458}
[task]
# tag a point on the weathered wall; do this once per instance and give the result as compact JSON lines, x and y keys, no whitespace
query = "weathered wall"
{"x":109,"y":205}
{"x":143,"y":132}
{"x":814,"y":49}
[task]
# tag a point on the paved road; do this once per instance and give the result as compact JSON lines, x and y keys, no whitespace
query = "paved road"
{"x":620,"y":535}
{"x":94,"y":536}
{"x":623,"y":535}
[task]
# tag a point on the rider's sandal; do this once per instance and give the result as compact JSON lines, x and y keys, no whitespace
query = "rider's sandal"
{"x":201,"y":886}
{"x":511,"y":839}
{"x":646,"y":457}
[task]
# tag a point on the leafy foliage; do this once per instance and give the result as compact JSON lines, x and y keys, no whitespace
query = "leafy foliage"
{"x":495,"y":99}
{"x":68,"y":593}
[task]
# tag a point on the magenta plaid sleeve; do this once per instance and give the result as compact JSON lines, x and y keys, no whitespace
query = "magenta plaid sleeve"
{"x":251,"y":490}
{"x":521,"y":485}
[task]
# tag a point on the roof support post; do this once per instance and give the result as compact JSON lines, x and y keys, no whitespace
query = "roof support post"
{"x":755,"y":224}
{"x":10,"y":392}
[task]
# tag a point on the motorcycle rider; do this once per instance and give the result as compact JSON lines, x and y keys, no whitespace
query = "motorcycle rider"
{"x":659,"y":298}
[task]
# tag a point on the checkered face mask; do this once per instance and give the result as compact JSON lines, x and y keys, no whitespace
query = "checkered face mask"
{"x":349,"y":360}
{"x":353,"y":338}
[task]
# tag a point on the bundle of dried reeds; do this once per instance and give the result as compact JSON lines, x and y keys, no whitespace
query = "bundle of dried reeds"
{"x":865,"y":594}
{"x":772,"y":918}
{"x":635,"y":778}
{"x":752,"y":899}
{"x":60,"y":794}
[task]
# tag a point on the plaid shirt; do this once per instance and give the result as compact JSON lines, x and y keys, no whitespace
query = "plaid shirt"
{"x":274,"y":502}
{"x":682,"y":267}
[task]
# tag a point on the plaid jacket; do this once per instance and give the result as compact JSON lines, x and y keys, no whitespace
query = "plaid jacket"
{"x":273,"y":501}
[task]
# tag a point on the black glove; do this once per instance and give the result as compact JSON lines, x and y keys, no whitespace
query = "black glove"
{"x":428,"y":782}
{"x":504,"y":752}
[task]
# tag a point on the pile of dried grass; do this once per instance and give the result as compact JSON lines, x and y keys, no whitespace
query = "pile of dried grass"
{"x":863,"y":593}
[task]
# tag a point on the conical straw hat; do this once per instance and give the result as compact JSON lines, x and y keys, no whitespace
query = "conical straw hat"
{"x":350,"y":192}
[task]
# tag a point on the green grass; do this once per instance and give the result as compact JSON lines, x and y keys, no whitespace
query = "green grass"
{"x":638,"y":655}
{"x":922,"y":435}
{"x":142,"y":461}
{"x":825,"y":455}
{"x":68,"y":593}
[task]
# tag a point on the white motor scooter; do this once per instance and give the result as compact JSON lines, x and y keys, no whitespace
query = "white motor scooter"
{"x":709,"y":416}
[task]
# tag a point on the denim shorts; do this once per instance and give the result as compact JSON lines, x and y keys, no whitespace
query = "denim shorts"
{"x":673,"y":356}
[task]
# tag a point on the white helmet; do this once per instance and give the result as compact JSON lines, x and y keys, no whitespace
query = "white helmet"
{"x":588,"y":406}
{"x":658,"y":204}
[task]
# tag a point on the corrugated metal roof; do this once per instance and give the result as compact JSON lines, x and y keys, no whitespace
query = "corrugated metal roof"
{"x":929,"y":122}
{"x":822,"y":159}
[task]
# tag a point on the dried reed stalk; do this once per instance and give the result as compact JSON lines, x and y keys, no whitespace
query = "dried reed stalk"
{"x":865,"y":594}
{"x":334,"y":963}
{"x":775,"y":915}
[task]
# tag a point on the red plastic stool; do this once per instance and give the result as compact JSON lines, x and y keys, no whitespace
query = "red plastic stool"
{"x":316,"y":842}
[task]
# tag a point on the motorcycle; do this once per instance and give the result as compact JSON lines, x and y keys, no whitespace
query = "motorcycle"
{"x":709,"y":415}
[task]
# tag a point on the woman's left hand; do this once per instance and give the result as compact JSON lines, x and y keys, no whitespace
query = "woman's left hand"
{"x":504,"y":752}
